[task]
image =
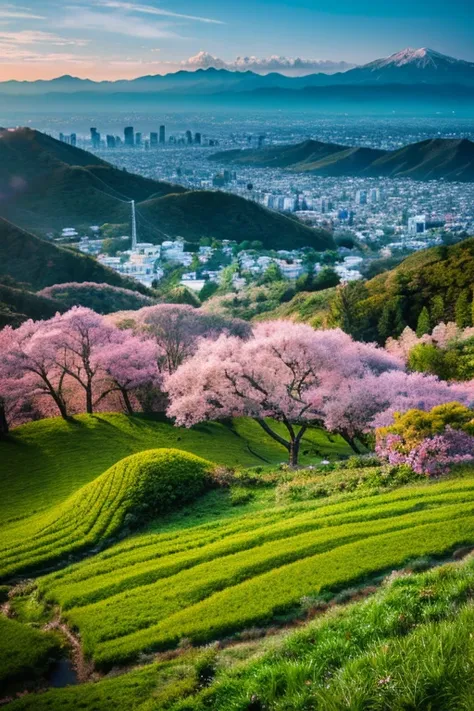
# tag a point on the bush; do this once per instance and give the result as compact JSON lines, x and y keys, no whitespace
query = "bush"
{"x":429,"y":442}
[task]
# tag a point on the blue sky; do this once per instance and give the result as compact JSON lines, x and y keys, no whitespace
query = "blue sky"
{"x":123,"y":38}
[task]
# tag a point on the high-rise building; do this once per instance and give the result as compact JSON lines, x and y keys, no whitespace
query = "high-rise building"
{"x":361,"y":197}
{"x":162,"y":134}
{"x":189,"y":138}
{"x":417,"y":225}
{"x":73,"y":139}
{"x":261,"y":141}
{"x":197,"y":138}
{"x":138,"y":139}
{"x":129,"y":135}
{"x":153,"y":139}
{"x":95,"y":138}
{"x":110,"y":141}
{"x":61,"y":137}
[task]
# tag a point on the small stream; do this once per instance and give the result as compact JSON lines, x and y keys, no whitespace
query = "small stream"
{"x":62,"y":674}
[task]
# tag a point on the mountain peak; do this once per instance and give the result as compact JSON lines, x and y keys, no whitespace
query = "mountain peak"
{"x":422,"y":57}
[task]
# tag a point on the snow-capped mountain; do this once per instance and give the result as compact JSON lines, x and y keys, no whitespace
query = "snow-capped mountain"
{"x":411,"y":66}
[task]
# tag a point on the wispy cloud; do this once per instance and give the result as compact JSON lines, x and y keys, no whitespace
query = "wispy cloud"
{"x":116,"y":23}
{"x":29,"y":37}
{"x":13,"y":12}
{"x":150,"y":10}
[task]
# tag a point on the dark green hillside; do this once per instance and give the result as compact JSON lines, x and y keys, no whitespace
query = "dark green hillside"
{"x":51,"y":184}
{"x":448,"y":159}
{"x":440,"y":279}
{"x":280,"y":156}
{"x":17,"y":304}
{"x":441,"y":158}
{"x":224,"y":216}
{"x":30,"y":260}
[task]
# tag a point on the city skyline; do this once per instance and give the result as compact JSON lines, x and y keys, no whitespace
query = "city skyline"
{"x":112,"y":39}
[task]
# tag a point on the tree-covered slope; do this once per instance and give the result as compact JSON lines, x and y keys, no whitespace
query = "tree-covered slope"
{"x":224,"y":216}
{"x":28,"y":259}
{"x":17,"y":304}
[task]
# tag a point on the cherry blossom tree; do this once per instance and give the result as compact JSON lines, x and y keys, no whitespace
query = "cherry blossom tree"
{"x":354,"y":406}
{"x":76,"y":337}
{"x":28,"y":367}
{"x":127,"y":364}
{"x":178,"y":328}
{"x":283,"y":372}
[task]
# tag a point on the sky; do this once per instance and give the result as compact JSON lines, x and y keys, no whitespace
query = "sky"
{"x":113,"y":39}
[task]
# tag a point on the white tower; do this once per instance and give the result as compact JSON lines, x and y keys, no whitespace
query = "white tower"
{"x":134,"y":226}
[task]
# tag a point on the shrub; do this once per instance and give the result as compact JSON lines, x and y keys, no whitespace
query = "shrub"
{"x":429,"y":442}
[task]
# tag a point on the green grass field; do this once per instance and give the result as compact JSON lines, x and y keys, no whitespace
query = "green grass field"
{"x":408,"y":647}
{"x":210,"y":564}
{"x":25,"y":652}
{"x":208,"y":581}
{"x":44,"y":462}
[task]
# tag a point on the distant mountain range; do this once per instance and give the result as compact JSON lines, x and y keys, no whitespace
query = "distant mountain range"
{"x":48,"y":184}
{"x":410,"y":66}
{"x":440,"y":158}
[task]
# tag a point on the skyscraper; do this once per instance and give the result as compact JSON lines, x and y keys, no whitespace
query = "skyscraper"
{"x":153,"y":139}
{"x":138,"y":139}
{"x":162,"y":134}
{"x":95,"y":138}
{"x":73,"y":139}
{"x":189,"y":138}
{"x":129,"y":136}
{"x":110,"y":141}
{"x":197,"y":139}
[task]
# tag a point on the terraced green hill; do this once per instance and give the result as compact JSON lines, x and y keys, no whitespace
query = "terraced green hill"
{"x":43,"y":463}
{"x":126,"y":495}
{"x":202,"y":583}
{"x":409,"y":646}
{"x":227,"y":566}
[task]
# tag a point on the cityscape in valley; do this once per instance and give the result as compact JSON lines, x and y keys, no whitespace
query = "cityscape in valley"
{"x":236,"y":356}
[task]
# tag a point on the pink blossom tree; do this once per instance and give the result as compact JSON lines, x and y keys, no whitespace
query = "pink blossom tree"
{"x":29,"y":367}
{"x":127,"y":364}
{"x":283,"y":372}
{"x":354,"y":406}
{"x":77,"y":337}
{"x":177,"y":329}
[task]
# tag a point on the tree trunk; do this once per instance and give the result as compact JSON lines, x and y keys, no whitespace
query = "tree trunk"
{"x":351,"y":442}
{"x":4,"y":429}
{"x":126,"y":400}
{"x":294,"y":452}
{"x":89,"y":407}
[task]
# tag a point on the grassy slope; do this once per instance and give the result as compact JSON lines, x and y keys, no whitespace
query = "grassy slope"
{"x":25,"y":652}
{"x":128,"y":494}
{"x":42,"y":463}
{"x":410,"y":646}
{"x":155,"y":590}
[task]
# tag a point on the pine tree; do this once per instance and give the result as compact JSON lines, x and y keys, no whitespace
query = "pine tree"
{"x":423,"y":325}
{"x":463,"y":309}
{"x":437,"y":309}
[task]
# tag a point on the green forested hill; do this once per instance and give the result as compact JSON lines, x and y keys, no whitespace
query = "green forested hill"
{"x":18,"y":304}
{"x":225,"y":216}
{"x":28,"y":259}
{"x":440,"y":279}
{"x":52,"y":185}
